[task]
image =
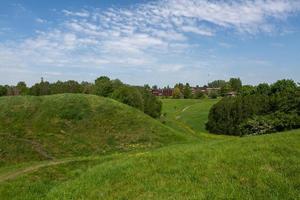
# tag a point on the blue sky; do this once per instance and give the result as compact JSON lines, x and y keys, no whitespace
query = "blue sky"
{"x":156,"y":42}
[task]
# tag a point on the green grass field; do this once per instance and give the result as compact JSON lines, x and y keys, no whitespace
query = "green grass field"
{"x":195,"y":165}
{"x":69,"y":125}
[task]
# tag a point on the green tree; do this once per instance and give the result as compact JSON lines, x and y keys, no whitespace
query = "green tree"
{"x":152,"y":105}
{"x":42,"y":88}
{"x":284,"y":85}
{"x":22,"y":88}
{"x":187,"y":92}
{"x":247,"y":90}
{"x":235,"y":84}
{"x":130,"y":96}
{"x":177,"y":93}
{"x":199,"y":95}
{"x":116,"y":84}
{"x":103,"y":86}
{"x":72,"y":86}
{"x":87,"y":88}
{"x":225,"y":89}
{"x":217,"y":84}
{"x":263,"y":88}
{"x":3,"y":90}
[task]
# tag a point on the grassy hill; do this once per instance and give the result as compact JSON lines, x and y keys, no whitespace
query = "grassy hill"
{"x":265,"y":167}
{"x":68,"y":125}
{"x":262,"y":167}
{"x":206,"y":167}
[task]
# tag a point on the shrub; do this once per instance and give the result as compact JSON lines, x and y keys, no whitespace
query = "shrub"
{"x":130,"y":96}
{"x":103,"y":86}
{"x":152,"y":105}
{"x":261,"y":111}
{"x":279,"y":121}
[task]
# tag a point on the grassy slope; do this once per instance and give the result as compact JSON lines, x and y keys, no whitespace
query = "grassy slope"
{"x":212,"y":167}
{"x":189,"y":116}
{"x":265,"y":167}
{"x":59,"y":126}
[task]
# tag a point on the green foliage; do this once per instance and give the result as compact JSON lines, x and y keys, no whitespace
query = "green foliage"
{"x":284,"y":85}
{"x":152,"y":105}
{"x":103,"y":86}
{"x":257,"y":112}
{"x":263,"y":89}
{"x":177,"y":93}
{"x":213,"y":94}
{"x":187,"y":92}
{"x":22,"y":88}
{"x":199,"y":95}
{"x":217,"y":84}
{"x":248,"y":90}
{"x":235,"y":84}
{"x":130,"y":96}
{"x":275,"y":122}
{"x":225,"y":89}
{"x":3,"y":90}
{"x":39,"y":89}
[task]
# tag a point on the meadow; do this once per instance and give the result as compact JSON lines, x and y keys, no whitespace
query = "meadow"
{"x":175,"y":159}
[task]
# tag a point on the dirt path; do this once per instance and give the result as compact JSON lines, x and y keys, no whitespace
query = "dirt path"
{"x":182,"y":124}
{"x":183,"y":110}
{"x":18,"y":172}
{"x":14,"y":174}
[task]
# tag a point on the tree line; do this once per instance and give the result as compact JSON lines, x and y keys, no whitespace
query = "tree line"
{"x":258,"y":109}
{"x":135,"y":96}
{"x":222,"y":88}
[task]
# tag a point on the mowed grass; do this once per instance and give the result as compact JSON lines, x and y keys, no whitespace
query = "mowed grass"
{"x":69,"y":125}
{"x":189,"y":116}
{"x":206,"y":167}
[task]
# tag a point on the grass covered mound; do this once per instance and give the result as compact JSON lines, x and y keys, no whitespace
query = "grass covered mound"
{"x":66,"y":125}
{"x":265,"y":167}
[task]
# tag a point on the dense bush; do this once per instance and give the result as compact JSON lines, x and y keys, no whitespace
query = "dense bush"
{"x":268,"y":109}
{"x":278,"y":121}
{"x":3,"y":90}
{"x":103,"y":86}
{"x":152,"y":105}
{"x":130,"y":96}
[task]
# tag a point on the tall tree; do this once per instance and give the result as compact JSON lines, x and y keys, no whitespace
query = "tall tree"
{"x":235,"y":84}
{"x":177,"y":93}
{"x":103,"y":86}
{"x":263,"y":88}
{"x":284,"y":85}
{"x":217,"y":84}
{"x":3,"y":90}
{"x":22,"y":88}
{"x":187,"y":92}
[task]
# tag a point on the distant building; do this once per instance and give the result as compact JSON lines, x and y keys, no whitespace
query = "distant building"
{"x":165,"y":92}
{"x":168,"y":92}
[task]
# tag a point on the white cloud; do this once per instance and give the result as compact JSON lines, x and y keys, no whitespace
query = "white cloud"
{"x":144,"y":35}
{"x":82,"y":13}
{"x":40,"y":20}
{"x":196,"y":30}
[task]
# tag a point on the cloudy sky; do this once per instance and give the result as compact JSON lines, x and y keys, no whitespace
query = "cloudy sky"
{"x":157,"y":42}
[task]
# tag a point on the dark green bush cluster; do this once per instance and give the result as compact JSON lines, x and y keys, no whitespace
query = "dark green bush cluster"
{"x":138,"y":97}
{"x":265,"y":110}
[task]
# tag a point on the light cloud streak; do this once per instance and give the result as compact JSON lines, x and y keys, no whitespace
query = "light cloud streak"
{"x":138,"y":36}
